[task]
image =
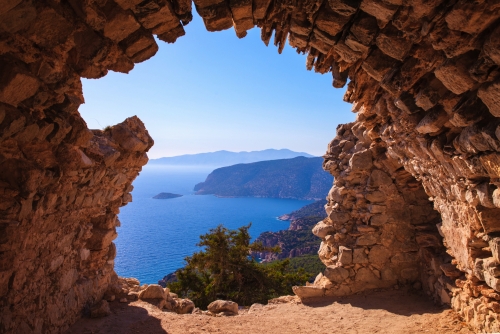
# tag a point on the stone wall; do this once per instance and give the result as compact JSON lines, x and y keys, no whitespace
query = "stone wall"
{"x":424,"y":80}
{"x":59,"y":201}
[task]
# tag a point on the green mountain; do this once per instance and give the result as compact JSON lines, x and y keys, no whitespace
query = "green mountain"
{"x":299,"y":178}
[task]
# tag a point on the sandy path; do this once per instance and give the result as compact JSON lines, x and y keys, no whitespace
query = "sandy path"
{"x":381,"y":312}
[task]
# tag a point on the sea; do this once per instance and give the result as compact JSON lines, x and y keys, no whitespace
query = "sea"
{"x":156,"y":235}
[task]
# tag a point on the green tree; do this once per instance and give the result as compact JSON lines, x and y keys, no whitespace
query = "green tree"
{"x":224,"y":270}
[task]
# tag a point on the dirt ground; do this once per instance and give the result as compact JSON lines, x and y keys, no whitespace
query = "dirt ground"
{"x":394,"y":311}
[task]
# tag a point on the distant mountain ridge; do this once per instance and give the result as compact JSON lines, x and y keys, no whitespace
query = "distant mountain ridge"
{"x":227,"y":158}
{"x":299,"y":178}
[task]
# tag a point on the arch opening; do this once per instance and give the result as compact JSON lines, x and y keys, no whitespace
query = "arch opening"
{"x":424,"y":82}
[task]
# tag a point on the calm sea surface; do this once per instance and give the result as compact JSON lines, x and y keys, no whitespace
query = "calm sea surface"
{"x":156,"y":235}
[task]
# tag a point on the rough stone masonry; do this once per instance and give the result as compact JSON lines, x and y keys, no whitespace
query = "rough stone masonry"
{"x":415,"y":199}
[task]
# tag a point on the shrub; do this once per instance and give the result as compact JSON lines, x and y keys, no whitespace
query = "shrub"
{"x":224,"y":270}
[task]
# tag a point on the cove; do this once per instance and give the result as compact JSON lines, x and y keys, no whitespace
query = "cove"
{"x":156,"y":235}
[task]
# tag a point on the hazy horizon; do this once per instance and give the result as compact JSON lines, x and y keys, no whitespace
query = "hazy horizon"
{"x":212,"y":91}
{"x":277,"y":149}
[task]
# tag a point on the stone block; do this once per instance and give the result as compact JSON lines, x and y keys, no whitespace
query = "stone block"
{"x":339,"y":217}
{"x":433,"y":121}
{"x":406,"y":103}
{"x":365,"y":275}
{"x":321,"y":229}
{"x":382,"y":10}
{"x":378,"y":220}
{"x":467,"y":111}
{"x":305,"y":292}
{"x":494,"y":244}
{"x":379,"y":178}
{"x":377,"y":65}
{"x":492,"y":281}
{"x":376,"y":197}
{"x":361,"y":161}
{"x":490,"y":95}
{"x":364,"y":29}
{"x":346,"y":53}
{"x":336,"y":274}
{"x":120,"y":25}
{"x":297,"y":41}
{"x":101,"y":239}
{"x":359,"y":256}
{"x":368,"y":239}
{"x":19,"y":17}
{"x":450,"y":270}
{"x":217,"y":17}
{"x":16,"y":85}
{"x":260,"y":8}
{"x":491,"y":163}
{"x":344,"y":7}
{"x":137,"y":42}
{"x":489,"y":219}
{"x":471,"y":17}
{"x":172,"y":35}
{"x":393,"y":44}
{"x":345,"y":256}
{"x":379,"y":254}
{"x":455,"y":76}
{"x":330,"y":21}
{"x":492,"y":45}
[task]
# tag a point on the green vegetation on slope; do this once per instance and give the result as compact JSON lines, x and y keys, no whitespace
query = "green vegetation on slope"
{"x":299,"y":177}
{"x":223,"y":270}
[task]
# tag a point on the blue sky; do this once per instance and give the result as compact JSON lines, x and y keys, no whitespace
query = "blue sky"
{"x":213,"y":91}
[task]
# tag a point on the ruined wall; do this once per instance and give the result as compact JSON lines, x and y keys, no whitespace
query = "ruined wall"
{"x":59,"y":202}
{"x":381,"y":228}
{"x":424,"y":80}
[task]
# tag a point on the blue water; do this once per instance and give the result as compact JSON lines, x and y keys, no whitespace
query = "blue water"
{"x":156,"y":235}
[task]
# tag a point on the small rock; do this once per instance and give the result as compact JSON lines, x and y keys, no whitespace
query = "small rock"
{"x":255,"y":307}
{"x":123,"y":300}
{"x":100,"y":310}
{"x":153,"y":291}
{"x":183,"y":306}
{"x":219,"y":306}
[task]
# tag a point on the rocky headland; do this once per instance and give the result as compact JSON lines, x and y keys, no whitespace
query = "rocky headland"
{"x":297,"y":240}
{"x":297,"y":178}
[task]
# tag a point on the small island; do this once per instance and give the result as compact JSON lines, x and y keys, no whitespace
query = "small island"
{"x":166,"y":196}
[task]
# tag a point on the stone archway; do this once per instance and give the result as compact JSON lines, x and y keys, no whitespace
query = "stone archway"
{"x":424,"y":82}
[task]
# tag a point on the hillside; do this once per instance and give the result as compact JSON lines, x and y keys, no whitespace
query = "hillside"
{"x":226,"y":158}
{"x":299,"y":178}
{"x":298,"y":240}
